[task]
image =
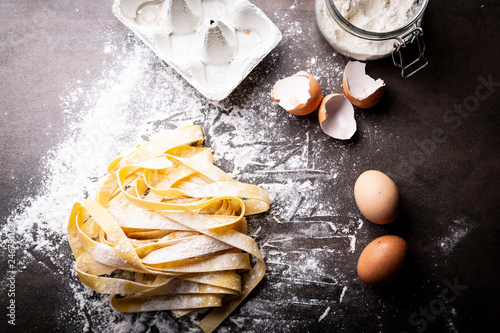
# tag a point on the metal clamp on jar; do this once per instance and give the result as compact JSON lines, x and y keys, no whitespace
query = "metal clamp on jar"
{"x":361,"y":44}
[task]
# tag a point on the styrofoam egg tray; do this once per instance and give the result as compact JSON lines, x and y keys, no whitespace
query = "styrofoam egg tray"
{"x":213,"y":44}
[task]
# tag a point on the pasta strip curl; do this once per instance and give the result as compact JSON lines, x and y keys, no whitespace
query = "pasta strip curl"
{"x":167,"y":231}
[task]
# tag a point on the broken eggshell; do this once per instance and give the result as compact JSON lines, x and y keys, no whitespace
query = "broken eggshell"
{"x":362,"y":90}
{"x":336,"y":117}
{"x":299,"y":94}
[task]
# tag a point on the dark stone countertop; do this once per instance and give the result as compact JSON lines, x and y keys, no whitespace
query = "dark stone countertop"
{"x":437,"y":141}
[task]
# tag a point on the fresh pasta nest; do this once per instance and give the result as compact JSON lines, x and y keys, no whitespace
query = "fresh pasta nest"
{"x":167,"y":231}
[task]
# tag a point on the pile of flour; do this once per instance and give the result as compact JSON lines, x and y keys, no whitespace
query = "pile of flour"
{"x":369,"y":15}
{"x":377,"y":15}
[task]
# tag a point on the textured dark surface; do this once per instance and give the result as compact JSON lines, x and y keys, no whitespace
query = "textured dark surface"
{"x":446,"y":165}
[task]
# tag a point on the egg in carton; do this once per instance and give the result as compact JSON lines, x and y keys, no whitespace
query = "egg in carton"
{"x":213,"y":44}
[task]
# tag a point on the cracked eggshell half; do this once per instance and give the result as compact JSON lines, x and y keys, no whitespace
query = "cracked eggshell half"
{"x":299,"y":94}
{"x":336,"y":117}
{"x":362,"y":90}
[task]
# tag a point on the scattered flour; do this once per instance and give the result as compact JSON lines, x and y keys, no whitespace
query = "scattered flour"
{"x":137,"y":97}
{"x":324,"y":314}
{"x":456,"y":232}
{"x":342,"y":294}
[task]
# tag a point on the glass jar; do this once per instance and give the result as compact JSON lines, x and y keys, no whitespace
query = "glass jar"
{"x":359,"y":44}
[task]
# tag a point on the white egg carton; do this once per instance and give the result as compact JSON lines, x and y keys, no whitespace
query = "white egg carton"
{"x":213,"y":44}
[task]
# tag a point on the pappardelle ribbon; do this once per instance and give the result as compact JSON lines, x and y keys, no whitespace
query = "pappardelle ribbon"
{"x":167,"y":231}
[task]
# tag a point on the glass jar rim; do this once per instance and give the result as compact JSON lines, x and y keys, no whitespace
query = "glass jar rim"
{"x":371,"y":35}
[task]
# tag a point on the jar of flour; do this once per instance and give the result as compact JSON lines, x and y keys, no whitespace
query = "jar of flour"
{"x":374,"y":29}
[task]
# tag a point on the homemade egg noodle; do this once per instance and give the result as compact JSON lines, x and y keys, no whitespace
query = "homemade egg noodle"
{"x":167,"y":231}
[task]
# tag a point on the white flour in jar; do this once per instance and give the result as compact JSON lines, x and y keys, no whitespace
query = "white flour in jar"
{"x":370,"y":15}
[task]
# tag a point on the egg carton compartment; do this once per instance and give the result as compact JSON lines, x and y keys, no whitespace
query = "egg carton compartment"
{"x":213,"y":44}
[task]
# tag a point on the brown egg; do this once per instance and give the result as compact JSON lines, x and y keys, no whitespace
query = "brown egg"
{"x":299,"y":94}
{"x":382,"y":261}
{"x":362,"y":90}
{"x":377,"y":197}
